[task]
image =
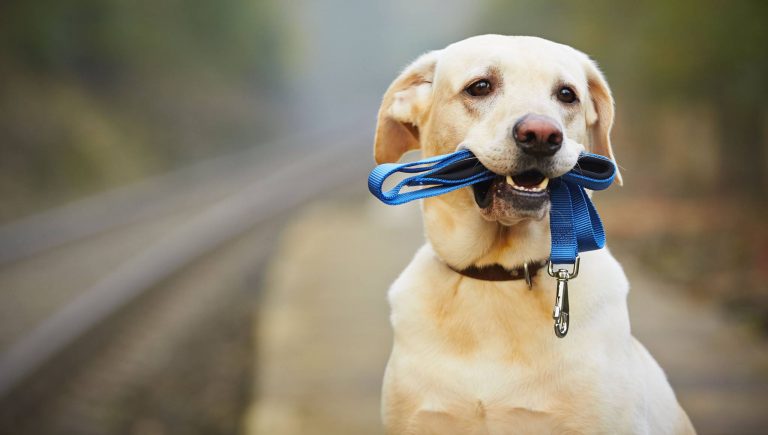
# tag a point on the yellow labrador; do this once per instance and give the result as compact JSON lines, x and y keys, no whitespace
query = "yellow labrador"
{"x":474,"y":356}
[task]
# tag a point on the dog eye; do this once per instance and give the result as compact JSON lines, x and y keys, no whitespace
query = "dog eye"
{"x":566,"y":94}
{"x":479,"y":88}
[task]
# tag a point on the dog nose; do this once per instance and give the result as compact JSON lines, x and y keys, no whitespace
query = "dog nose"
{"x":537,"y":135}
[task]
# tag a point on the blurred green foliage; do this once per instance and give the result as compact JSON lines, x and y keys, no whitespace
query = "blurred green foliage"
{"x":99,"y":92}
{"x":107,"y":39}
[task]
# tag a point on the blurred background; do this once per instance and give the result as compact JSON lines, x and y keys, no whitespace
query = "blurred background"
{"x":183,"y":195}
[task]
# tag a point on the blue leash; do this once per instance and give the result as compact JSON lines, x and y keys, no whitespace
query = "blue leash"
{"x":573,"y":220}
{"x":574,"y":223}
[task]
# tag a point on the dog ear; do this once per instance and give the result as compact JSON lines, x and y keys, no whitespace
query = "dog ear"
{"x":403,"y":107}
{"x":600,"y":115}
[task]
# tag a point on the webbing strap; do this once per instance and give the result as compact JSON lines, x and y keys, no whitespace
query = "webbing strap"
{"x":442,"y":173}
{"x":574,"y":223}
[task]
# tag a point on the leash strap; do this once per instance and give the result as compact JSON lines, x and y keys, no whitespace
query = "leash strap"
{"x":574,"y":222}
{"x":442,"y":174}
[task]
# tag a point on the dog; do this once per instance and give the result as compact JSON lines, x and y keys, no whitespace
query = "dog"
{"x":474,"y":356}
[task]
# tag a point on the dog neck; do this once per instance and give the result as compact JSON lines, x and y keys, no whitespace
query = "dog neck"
{"x":462,"y":238}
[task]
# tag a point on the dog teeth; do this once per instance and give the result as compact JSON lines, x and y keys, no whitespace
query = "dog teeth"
{"x":538,"y":188}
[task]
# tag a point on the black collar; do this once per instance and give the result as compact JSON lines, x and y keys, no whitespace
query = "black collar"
{"x":497,"y":272}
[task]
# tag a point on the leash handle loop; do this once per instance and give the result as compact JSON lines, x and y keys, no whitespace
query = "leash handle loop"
{"x":442,"y":174}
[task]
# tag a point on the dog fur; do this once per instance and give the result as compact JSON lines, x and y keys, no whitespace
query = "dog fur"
{"x":481,"y":357}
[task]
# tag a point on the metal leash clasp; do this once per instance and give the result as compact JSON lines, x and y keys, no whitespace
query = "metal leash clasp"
{"x":560,"y":311}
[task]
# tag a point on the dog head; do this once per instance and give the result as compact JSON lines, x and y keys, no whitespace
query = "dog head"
{"x":525,"y":106}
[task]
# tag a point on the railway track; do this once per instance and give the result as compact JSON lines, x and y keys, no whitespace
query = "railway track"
{"x":134,"y":274}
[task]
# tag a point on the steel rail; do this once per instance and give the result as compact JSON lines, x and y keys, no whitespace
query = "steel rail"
{"x":323,"y":168}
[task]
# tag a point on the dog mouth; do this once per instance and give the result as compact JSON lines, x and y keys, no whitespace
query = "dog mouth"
{"x":531,"y":181}
{"x":524,"y":194}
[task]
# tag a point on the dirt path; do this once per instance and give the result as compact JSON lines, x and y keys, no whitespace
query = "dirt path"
{"x":322,"y":335}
